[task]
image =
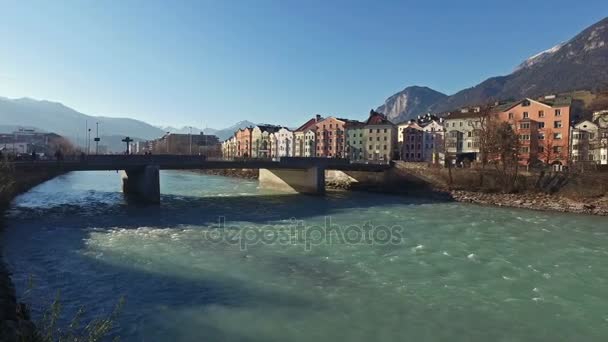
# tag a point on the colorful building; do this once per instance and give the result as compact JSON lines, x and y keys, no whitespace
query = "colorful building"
{"x":355,"y":140}
{"x":543,"y":127}
{"x":243,"y":142}
{"x":304,"y":138}
{"x":329,"y":138}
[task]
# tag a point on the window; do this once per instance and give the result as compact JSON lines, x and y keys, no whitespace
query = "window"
{"x":591,"y":136}
{"x":510,"y":115}
{"x":377,"y":138}
{"x":557,"y":149}
{"x":460,"y":123}
{"x":385,"y":147}
{"x":370,"y":147}
{"x":541,"y":136}
{"x":524,"y":137}
{"x":469,"y":134}
{"x":384,"y":138}
{"x":385,"y":130}
{"x":526,"y":115}
{"x":524,"y":149}
{"x":557,"y":124}
{"x":469,"y":144}
{"x":370,"y":139}
{"x":558,"y":112}
{"x":541,"y":149}
{"x":524,"y":125}
{"x":541,"y":113}
{"x":378,"y":130}
{"x":541,"y":125}
{"x":591,"y":157}
{"x":371,"y":130}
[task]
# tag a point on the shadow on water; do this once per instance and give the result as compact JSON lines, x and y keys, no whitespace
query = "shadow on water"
{"x":205,"y":211}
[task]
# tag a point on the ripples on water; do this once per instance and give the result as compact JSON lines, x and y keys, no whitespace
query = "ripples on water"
{"x":460,"y":273}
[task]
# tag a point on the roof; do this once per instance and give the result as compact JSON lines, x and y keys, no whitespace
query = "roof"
{"x":460,"y":115}
{"x":268,"y":128}
{"x":307,"y":125}
{"x":376,"y":118}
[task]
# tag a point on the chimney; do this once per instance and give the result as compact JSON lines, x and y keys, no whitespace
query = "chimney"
{"x":318,"y":117}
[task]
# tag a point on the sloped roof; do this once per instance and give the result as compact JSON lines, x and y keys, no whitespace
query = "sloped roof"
{"x":307,"y":125}
{"x":376,"y":118}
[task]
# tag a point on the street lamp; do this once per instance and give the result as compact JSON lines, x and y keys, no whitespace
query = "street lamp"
{"x":127,"y":141}
{"x":97,"y":138}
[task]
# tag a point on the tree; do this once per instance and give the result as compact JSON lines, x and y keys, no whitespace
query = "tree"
{"x":503,"y":144}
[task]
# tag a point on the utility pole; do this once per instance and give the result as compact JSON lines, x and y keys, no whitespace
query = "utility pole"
{"x":97,"y":138}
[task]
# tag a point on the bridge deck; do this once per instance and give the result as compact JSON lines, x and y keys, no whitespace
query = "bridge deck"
{"x":181,"y":162}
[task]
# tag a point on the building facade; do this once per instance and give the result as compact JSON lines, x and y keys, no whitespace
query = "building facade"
{"x":433,"y":143}
{"x":329,"y":139}
{"x":355,"y":140}
{"x":381,"y":144}
{"x":412,"y":136}
{"x":543,"y":128}
{"x":260,"y":140}
{"x":461,"y":136}
{"x":284,"y":142}
{"x":243,"y":142}
{"x":301,"y":137}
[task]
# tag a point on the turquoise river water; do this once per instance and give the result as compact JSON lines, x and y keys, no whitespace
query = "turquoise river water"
{"x":392,"y":268}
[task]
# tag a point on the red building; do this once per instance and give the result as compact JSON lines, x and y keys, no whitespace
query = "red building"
{"x":330,"y":138}
{"x":243,"y":142}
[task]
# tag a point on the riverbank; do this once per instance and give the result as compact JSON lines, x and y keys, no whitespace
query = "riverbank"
{"x":438,"y":190}
{"x":15,"y":324}
{"x":535,"y":201}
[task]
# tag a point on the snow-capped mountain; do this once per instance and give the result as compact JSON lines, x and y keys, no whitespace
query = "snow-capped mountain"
{"x":580,"y":63}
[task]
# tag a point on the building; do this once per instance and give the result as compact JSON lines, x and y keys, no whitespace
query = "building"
{"x":433,"y":142}
{"x":176,"y":143}
{"x":284,"y":142}
{"x":589,"y":140}
{"x":329,"y":140}
{"x":304,"y":138}
{"x":543,"y":127}
{"x":461,"y":136}
{"x":243,"y":142}
{"x":229,"y":148}
{"x":260,"y":140}
{"x":381,"y":138}
{"x":355,"y":140}
{"x":411,"y":146}
{"x":584,"y":144}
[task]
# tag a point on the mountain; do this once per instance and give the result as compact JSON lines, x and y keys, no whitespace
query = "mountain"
{"x":580,"y":63}
{"x":409,"y":103}
{"x":55,"y":117}
{"x":226,"y":133}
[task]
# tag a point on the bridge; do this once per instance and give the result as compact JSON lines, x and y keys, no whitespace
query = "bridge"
{"x":141,"y":172}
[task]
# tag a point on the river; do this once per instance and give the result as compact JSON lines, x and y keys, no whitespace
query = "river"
{"x":428,"y":271}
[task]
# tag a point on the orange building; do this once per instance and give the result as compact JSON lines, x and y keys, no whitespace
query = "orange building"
{"x":243,"y":142}
{"x":542,"y":127}
{"x":330,"y":138}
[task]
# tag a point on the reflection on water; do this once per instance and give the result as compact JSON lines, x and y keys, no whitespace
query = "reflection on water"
{"x":459,"y":272}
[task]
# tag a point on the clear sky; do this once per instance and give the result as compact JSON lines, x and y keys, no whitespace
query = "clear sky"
{"x":213,"y":63}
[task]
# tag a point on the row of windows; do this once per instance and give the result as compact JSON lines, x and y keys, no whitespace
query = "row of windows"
{"x":541,"y":114}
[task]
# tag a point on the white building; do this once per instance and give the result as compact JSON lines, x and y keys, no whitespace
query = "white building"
{"x":285,"y":142}
{"x":433,"y":143}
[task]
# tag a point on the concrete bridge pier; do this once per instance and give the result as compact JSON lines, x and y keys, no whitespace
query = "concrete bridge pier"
{"x":142,"y":183}
{"x":305,"y":181}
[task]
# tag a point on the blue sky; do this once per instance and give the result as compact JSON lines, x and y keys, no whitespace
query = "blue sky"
{"x":213,"y":63}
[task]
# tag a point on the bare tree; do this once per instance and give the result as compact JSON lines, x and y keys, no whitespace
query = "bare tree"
{"x":503,"y":146}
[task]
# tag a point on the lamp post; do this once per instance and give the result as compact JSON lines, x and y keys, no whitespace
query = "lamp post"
{"x":167,"y":142}
{"x":127,"y":140}
{"x":97,"y":138}
{"x":89,"y":141}
{"x":190,"y":136}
